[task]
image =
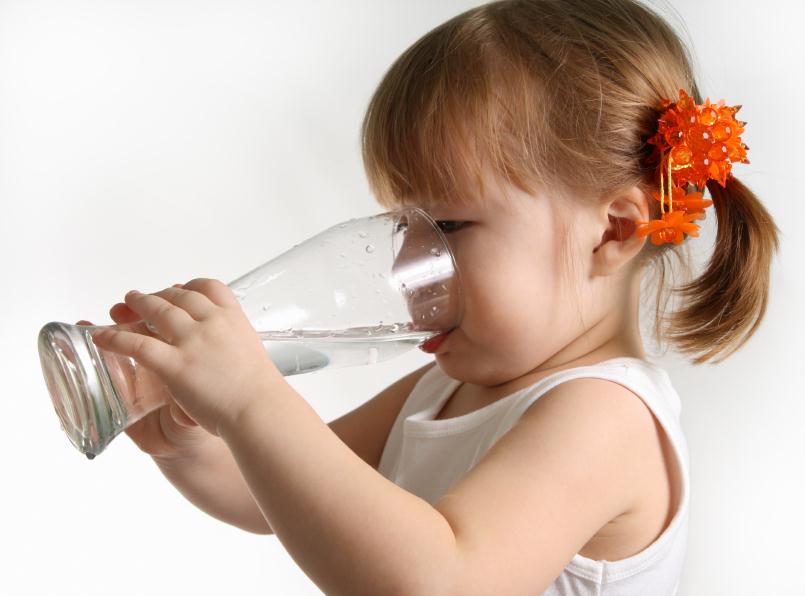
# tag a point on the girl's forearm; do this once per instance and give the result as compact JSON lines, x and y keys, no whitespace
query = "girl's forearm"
{"x":350,"y":529}
{"x":211,"y":480}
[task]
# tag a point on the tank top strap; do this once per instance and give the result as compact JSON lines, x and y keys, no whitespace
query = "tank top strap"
{"x":648,"y":381}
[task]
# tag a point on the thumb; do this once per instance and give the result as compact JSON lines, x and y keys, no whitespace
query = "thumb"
{"x":180,"y":417}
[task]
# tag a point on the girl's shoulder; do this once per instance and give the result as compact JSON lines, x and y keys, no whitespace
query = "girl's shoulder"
{"x":653,"y":492}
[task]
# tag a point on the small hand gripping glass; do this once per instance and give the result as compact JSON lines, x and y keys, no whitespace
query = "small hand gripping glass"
{"x":360,"y":292}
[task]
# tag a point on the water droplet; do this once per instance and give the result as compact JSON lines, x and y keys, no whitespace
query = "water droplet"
{"x":435,"y":252}
{"x":342,"y":255}
{"x":343,"y":225}
{"x":362,"y":234}
{"x":395,"y":327}
{"x":370,"y":248}
{"x":444,"y":287}
{"x":267,"y":306}
{"x":434,"y":308}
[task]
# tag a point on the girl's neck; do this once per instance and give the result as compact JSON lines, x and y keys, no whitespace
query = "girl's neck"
{"x":615,"y":335}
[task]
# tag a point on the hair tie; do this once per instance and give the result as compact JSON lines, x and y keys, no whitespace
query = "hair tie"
{"x":695,"y":143}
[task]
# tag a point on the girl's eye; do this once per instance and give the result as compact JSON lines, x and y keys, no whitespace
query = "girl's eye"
{"x":448,"y":226}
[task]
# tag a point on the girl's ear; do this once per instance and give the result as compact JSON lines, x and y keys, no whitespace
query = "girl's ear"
{"x":616,"y":222}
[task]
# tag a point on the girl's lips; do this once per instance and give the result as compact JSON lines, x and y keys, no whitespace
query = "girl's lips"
{"x":433,"y":343}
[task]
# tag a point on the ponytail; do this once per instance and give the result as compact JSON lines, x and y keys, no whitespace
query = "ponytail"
{"x":723,"y":307}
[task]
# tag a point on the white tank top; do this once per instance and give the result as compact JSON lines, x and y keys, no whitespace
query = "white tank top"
{"x":427,"y":456}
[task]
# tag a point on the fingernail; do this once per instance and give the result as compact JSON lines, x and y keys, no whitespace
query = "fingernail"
{"x":132,"y":293}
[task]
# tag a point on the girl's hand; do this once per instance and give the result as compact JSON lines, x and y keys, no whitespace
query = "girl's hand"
{"x":167,"y":432}
{"x":209,"y":355}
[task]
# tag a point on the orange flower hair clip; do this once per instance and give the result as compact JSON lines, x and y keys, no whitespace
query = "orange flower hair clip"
{"x":695,"y":143}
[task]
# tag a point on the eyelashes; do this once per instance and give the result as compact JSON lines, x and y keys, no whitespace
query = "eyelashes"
{"x":449,"y":226}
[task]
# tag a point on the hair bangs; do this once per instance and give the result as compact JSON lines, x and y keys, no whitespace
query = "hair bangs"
{"x":438,"y":120}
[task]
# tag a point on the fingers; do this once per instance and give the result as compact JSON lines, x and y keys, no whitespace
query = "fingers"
{"x":121,"y":313}
{"x":169,"y":321}
{"x":171,"y":312}
{"x":149,"y":351}
{"x":196,"y":304}
{"x":215,"y":290}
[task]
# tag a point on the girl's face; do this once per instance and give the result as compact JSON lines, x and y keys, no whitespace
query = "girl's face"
{"x":518,"y":308}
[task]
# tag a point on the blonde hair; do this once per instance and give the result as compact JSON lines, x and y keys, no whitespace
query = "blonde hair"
{"x":563,"y":95}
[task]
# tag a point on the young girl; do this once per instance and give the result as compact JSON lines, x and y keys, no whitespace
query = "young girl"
{"x":541,"y":452}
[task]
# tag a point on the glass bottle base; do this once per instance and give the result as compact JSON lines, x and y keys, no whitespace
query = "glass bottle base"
{"x":80,"y":388}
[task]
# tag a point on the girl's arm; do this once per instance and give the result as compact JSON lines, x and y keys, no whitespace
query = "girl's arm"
{"x":509,"y":526}
{"x":350,"y":529}
{"x":211,"y":480}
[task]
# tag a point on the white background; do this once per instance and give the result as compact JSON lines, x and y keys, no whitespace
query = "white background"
{"x":146,"y":143}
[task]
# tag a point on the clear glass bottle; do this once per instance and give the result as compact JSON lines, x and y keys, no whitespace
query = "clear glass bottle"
{"x":360,"y":292}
